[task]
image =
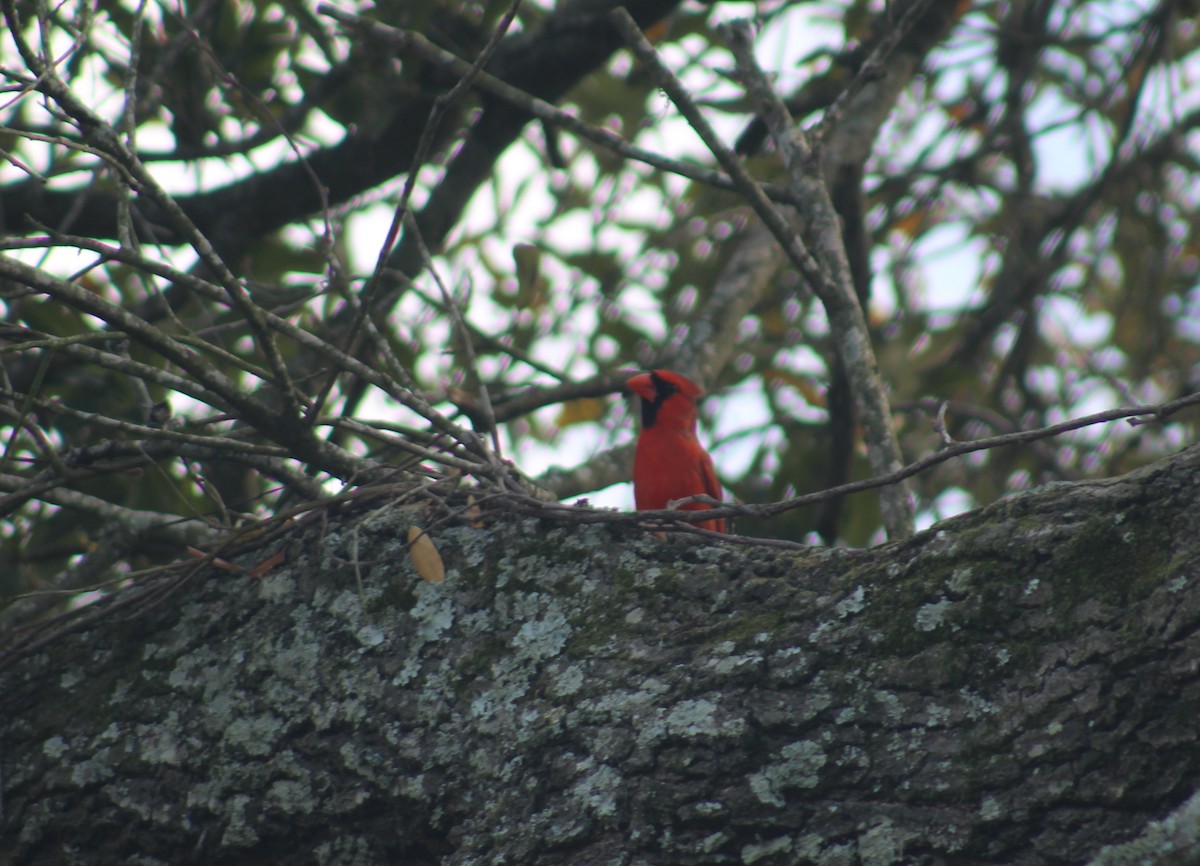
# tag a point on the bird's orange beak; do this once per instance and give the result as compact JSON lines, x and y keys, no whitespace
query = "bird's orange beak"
{"x":642,"y":385}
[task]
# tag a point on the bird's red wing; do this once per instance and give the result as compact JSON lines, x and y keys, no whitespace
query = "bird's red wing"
{"x":708,"y":475}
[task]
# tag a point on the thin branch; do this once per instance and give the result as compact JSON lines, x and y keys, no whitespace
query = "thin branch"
{"x":227,"y":391}
{"x":23,"y":411}
{"x":1136,"y":414}
{"x":116,"y":425}
{"x":402,"y":391}
{"x":459,"y":323}
{"x":181,"y":530}
{"x":418,"y":45}
{"x":492,"y":343}
{"x":873,"y":68}
{"x":321,"y":454}
{"x":404,"y":443}
{"x":75,"y":347}
{"x":101,"y":135}
{"x":424,"y":147}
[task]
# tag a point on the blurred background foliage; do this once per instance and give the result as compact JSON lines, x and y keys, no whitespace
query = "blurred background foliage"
{"x":1025,"y":213}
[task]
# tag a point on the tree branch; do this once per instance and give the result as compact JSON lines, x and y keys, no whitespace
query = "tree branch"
{"x":847,"y":320}
{"x":570,"y":696}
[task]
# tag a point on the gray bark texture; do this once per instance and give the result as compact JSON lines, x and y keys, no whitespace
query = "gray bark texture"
{"x":1018,"y":685}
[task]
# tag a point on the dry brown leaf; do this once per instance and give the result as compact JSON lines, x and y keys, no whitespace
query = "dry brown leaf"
{"x":216,"y":561}
{"x":474,"y":513}
{"x":580,"y":411}
{"x":275,"y":559}
{"x":658,"y":31}
{"x":426,"y":560}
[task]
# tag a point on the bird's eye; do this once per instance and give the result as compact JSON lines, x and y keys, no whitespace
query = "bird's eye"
{"x":662,"y":388}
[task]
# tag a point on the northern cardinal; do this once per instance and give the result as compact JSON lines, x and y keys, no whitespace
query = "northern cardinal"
{"x":670,"y":463}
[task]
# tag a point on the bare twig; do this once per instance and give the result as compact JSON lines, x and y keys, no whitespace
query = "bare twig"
{"x":424,"y":147}
{"x":420,"y":46}
{"x":229,"y":395}
{"x":182,"y":530}
{"x":101,"y":135}
{"x":872,"y":68}
{"x":940,"y":425}
{"x":403,"y":391}
{"x":404,"y":443}
{"x":459,"y":323}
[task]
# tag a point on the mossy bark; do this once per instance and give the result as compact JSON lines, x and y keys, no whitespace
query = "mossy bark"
{"x":1018,"y":685}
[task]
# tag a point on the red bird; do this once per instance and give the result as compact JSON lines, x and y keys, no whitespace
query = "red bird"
{"x":670,"y":463}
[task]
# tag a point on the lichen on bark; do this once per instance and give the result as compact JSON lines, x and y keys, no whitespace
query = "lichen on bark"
{"x":1017,"y":685}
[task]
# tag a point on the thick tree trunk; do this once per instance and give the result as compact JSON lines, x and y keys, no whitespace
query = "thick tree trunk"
{"x":1017,"y":686}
